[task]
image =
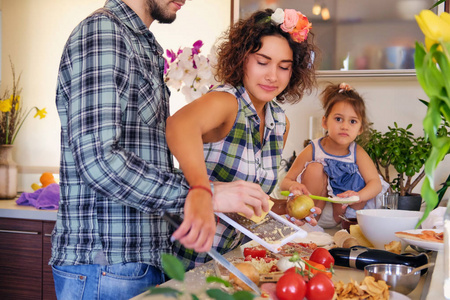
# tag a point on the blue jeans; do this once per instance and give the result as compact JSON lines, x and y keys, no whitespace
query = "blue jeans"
{"x":118,"y":281}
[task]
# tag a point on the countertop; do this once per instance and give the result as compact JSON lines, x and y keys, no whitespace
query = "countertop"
{"x":9,"y":209}
{"x":429,"y":287}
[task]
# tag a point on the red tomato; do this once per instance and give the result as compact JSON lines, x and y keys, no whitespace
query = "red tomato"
{"x":255,"y":252}
{"x":320,"y":287}
{"x":323,"y":257}
{"x":293,"y":270}
{"x":291,"y":286}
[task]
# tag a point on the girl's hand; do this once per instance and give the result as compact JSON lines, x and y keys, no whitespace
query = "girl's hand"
{"x":356,"y":205}
{"x":347,"y":194}
{"x":311,"y":219}
{"x":298,"y":189}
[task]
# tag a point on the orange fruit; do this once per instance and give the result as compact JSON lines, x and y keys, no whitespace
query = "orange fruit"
{"x":47,"y":179}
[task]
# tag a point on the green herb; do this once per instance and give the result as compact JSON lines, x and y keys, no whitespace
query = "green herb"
{"x":175,"y":270}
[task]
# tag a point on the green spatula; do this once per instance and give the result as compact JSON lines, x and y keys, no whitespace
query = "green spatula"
{"x":347,"y":200}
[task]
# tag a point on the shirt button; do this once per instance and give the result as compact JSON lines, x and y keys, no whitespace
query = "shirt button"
{"x":104,"y":273}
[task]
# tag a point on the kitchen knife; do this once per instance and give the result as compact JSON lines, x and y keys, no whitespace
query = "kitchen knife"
{"x":176,"y":221}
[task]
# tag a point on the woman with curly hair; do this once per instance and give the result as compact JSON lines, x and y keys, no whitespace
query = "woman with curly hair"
{"x":237,"y":130}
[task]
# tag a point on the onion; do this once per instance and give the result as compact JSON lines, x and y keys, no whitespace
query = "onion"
{"x":284,"y":264}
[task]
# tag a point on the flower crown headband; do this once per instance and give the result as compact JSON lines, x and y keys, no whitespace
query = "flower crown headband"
{"x":293,"y":22}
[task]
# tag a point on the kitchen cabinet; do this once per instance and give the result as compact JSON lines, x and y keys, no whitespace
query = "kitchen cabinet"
{"x":25,"y":250}
{"x":358,"y":38}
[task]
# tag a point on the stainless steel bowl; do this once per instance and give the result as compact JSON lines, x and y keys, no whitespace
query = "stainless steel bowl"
{"x":395,"y":276}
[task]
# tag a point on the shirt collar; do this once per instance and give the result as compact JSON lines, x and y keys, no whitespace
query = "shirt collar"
{"x":250,"y":111}
{"x":132,"y":21}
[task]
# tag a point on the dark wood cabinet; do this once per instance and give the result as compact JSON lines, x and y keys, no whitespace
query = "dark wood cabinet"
{"x":48,"y":286}
{"x":25,"y":250}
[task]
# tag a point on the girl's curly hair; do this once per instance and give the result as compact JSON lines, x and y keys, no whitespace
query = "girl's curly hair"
{"x":244,"y":37}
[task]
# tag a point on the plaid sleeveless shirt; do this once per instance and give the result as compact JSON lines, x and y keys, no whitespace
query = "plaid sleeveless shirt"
{"x":241,"y":156}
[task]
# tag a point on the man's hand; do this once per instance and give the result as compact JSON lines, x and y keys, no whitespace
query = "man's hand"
{"x":237,"y":196}
{"x":198,"y":228}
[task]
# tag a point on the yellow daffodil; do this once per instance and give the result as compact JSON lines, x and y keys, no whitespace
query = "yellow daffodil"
{"x":436,"y":29}
{"x":40,"y":112}
{"x":5,"y":105}
{"x":17,"y":101}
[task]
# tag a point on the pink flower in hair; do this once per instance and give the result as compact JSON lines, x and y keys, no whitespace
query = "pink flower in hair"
{"x":290,"y":20}
{"x":301,"y":30}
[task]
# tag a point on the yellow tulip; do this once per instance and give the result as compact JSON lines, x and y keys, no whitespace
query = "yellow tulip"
{"x":434,"y":28}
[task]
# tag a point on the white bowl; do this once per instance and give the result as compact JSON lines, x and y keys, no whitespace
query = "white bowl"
{"x":379,"y":225}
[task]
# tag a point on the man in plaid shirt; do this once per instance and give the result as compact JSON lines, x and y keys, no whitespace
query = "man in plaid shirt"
{"x":117,"y":175}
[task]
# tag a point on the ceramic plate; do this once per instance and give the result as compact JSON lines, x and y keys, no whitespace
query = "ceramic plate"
{"x":429,"y":245}
{"x":397,"y":296}
{"x":319,"y":238}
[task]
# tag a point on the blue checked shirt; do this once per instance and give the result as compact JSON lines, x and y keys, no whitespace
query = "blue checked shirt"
{"x":116,"y":173}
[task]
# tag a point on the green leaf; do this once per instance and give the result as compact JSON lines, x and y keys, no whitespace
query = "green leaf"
{"x":243,"y":295}
{"x":211,"y":279}
{"x":194,"y":297}
{"x":173,"y":267}
{"x":433,"y":78}
{"x":444,"y":66}
{"x":419,"y":56}
{"x":424,"y":102}
{"x":167,"y":291}
{"x":218,"y":294}
{"x":430,"y":197}
{"x":437,"y":3}
{"x":432,"y":118}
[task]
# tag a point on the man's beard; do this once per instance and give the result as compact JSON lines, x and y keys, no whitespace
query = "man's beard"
{"x":158,"y":13}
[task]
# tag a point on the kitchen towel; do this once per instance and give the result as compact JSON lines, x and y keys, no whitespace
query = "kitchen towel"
{"x":43,"y":198}
{"x":435,"y":219}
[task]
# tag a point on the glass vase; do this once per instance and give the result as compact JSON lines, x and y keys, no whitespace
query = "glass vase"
{"x":8,"y":173}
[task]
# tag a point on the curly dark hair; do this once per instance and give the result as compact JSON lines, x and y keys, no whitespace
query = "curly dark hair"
{"x":244,"y":37}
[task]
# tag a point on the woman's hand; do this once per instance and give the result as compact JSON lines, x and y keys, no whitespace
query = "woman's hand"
{"x":240,"y":197}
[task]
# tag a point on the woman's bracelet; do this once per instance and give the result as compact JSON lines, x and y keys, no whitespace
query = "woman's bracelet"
{"x":201,"y":187}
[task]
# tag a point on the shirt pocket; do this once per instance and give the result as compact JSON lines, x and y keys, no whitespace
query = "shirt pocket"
{"x":152,"y":102}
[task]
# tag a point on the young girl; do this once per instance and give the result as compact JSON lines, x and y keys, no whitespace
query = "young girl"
{"x":335,"y":165}
{"x":237,"y":131}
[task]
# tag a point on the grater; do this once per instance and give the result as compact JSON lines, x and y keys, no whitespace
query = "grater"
{"x":272,"y":232}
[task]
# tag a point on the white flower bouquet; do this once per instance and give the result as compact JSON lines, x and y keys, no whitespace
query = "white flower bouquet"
{"x":189,"y":71}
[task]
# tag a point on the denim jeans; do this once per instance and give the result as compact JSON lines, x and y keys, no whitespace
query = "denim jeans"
{"x":118,"y":281}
